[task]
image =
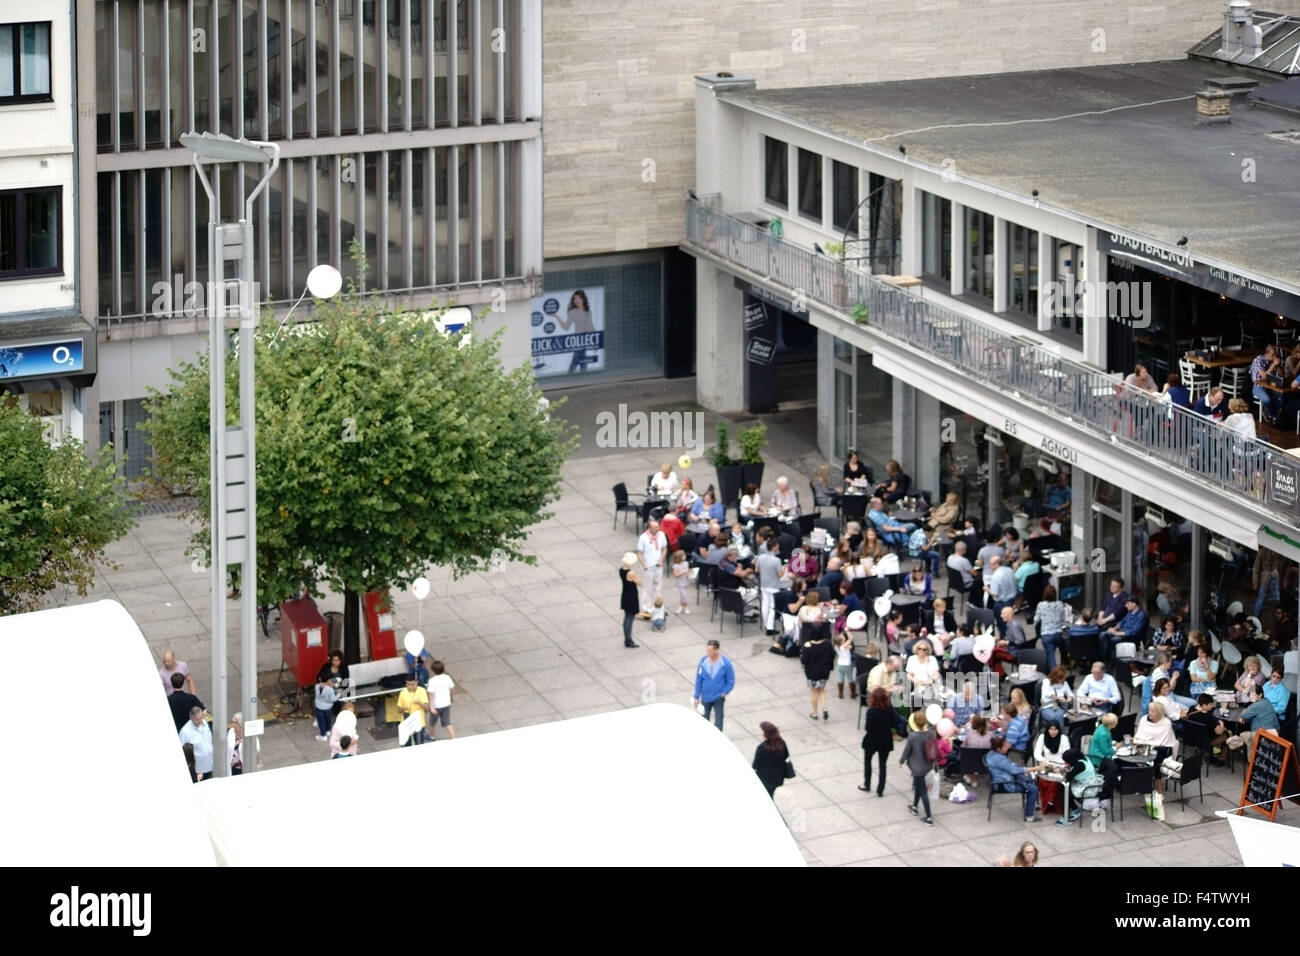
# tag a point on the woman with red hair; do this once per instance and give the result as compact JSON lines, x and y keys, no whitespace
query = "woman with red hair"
{"x":878,"y":741}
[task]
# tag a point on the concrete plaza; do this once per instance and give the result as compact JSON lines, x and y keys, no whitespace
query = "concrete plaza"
{"x":527,"y":645}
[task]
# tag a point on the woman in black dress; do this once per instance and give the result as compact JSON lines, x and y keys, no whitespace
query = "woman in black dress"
{"x":770,"y":758}
{"x":878,"y":741}
{"x":631,"y":600}
{"x":853,"y":470}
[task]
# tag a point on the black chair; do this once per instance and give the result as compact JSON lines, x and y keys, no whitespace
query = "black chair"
{"x":957,"y":592}
{"x":823,"y":594}
{"x":1033,"y":655}
{"x":1033,"y":593}
{"x":650,"y":506}
{"x":971,"y":761}
{"x":1126,"y":726}
{"x":830,"y":525}
{"x":1079,"y":729}
{"x":979,"y":618}
{"x":649,"y":484}
{"x":1196,"y":738}
{"x":968,"y":664}
{"x":703,"y":576}
{"x":1020,"y":797}
{"x":734,"y":602}
{"x":773,"y":523}
{"x":853,"y":508}
{"x":875,"y":587}
{"x":1191,"y":771}
{"x":806,"y":524}
{"x":787,"y":546}
{"x":622,"y":503}
{"x":1123,"y":674}
{"x":1134,"y":779}
{"x":1083,"y":649}
{"x":688,"y":541}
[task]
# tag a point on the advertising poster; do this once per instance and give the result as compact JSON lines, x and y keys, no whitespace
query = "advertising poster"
{"x":568,"y":331}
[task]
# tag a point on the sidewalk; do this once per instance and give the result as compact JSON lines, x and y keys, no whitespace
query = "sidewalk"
{"x":532,"y":644}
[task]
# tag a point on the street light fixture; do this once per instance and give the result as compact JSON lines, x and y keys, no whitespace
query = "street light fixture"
{"x":233,"y":466}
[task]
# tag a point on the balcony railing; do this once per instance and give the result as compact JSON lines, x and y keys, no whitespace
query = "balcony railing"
{"x":1082,"y":396}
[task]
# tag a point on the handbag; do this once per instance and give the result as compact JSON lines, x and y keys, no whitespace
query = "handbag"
{"x":788,"y":772}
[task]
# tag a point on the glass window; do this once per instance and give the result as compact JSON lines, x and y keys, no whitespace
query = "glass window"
{"x":31,"y":240}
{"x":24,"y":62}
{"x":810,"y":185}
{"x":1023,"y":265}
{"x":320,"y":60}
{"x":302,"y":60}
{"x":371,"y":78}
{"x":227,"y":65}
{"x":936,"y":236}
{"x":489,"y":59}
{"x":419,"y":75}
{"x":127,"y":38}
{"x":103,"y":74}
{"x":202,"y":59}
{"x":979,"y":255}
{"x":844,"y":206}
{"x":1066,"y":270}
{"x":178,"y":49}
{"x":776,"y":172}
{"x":155,"y":80}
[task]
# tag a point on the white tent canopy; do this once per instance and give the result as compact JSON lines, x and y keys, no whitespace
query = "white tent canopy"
{"x":94,"y":766}
{"x":650,"y":786}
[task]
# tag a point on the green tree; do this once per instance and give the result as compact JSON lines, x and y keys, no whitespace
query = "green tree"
{"x":58,"y":511}
{"x":383,"y":447}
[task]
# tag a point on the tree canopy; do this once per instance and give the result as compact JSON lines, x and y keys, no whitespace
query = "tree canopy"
{"x":383,"y":447}
{"x":59,"y":510}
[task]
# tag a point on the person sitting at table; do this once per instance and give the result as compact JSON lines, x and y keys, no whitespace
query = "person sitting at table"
{"x":1173,"y":706}
{"x":1284,"y":628}
{"x":1012,"y":546}
{"x":803,"y":564}
{"x":895,"y":484}
{"x":664,"y":483}
{"x":968,"y":705}
{"x":1141,"y":379}
{"x":1203,"y":673}
{"x":894,"y":534}
{"x":942,"y":520}
{"x":1115,"y":607}
{"x":1175,"y":392}
{"x":851,"y":539}
{"x":1025,"y":568}
{"x":940,"y":625}
{"x":718,"y":548}
{"x":708,"y":508}
{"x":1251,"y":677}
{"x":751,"y":503}
{"x":1055,"y":697}
{"x":1085,"y":783}
{"x":1169,"y":636}
{"x":1240,"y":420}
{"x":1050,"y":747}
{"x":923,"y":671}
{"x":1099,"y":690}
{"x":870,"y":548}
{"x":844,"y":552}
{"x":686,"y":499}
{"x":1132,"y":626}
{"x":958,"y":562}
{"x":1006,"y":777}
{"x":1102,"y":747}
{"x":917,"y":583}
{"x":821,"y":487}
{"x":855,"y":473}
{"x":813,"y":611}
{"x":1059,"y":493}
{"x":1202,"y":714}
{"x":1214,"y":404}
{"x":731,"y":565}
{"x":832,"y":576}
{"x":849,"y":602}
{"x":1276,"y":693}
{"x":992,"y":546}
{"x":1263,"y":366}
{"x":1155,"y":729}
{"x":1258,"y":715}
{"x":783,"y":499}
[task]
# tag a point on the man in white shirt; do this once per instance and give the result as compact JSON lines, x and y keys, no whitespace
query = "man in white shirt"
{"x":198,"y":734}
{"x":959,"y":562}
{"x":664,"y":484}
{"x":783,"y":499}
{"x":1001,"y":589}
{"x":1099,"y":689}
{"x":770,"y":570}
{"x":440,"y":685}
{"x":651,"y":548}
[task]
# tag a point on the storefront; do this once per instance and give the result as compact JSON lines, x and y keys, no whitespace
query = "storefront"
{"x":45,"y":366}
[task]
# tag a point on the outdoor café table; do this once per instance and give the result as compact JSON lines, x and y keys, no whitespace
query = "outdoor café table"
{"x":1235,"y":358}
{"x":1058,"y":776}
{"x":908,"y":517}
{"x":697,"y":527}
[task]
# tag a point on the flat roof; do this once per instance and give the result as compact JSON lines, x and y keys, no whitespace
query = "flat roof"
{"x":1145,"y":167}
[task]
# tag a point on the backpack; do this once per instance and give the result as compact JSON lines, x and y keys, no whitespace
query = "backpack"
{"x":931,"y":748}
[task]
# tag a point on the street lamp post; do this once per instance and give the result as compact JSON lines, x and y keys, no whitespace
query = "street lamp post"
{"x":233,"y":466}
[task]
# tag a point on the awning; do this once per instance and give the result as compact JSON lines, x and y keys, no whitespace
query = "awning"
{"x":47,"y":353}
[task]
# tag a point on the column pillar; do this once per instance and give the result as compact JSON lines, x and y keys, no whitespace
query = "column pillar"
{"x":719,"y":340}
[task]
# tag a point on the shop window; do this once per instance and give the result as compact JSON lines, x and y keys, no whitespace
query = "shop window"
{"x":776,"y":172}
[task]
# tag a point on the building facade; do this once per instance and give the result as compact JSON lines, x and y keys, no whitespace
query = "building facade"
{"x":977,"y":285}
{"x":409,"y":131}
{"x":620,"y":117}
{"x":47,"y":351}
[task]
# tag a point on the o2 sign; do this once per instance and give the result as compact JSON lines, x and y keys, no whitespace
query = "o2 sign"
{"x":44,"y":358}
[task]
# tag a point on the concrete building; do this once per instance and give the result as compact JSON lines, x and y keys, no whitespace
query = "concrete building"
{"x":409,"y":126}
{"x":47,"y":352}
{"x":972,"y":267}
{"x":620,"y":127}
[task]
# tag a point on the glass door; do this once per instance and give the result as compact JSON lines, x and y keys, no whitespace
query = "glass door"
{"x":845,"y":420}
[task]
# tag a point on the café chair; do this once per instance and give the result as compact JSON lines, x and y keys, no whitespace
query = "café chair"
{"x":971,"y":761}
{"x":733,"y":602}
{"x":1020,"y":797}
{"x":1126,"y":727}
{"x":1191,"y":771}
{"x":1033,"y":655}
{"x":957,"y":591}
{"x":623,"y":504}
{"x":1134,"y":780}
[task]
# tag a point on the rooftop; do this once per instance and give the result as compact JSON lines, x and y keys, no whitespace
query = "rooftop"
{"x":1118,"y":145}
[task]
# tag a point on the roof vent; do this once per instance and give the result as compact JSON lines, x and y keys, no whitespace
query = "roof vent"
{"x":1242,"y":39}
{"x":1236,"y":85}
{"x":1213,"y":107}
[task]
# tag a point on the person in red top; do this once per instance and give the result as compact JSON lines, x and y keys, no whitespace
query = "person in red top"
{"x":672,"y":527}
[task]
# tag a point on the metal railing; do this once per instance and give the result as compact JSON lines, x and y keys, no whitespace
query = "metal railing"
{"x":1080,"y":395}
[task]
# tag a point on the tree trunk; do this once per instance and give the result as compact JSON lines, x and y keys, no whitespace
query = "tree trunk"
{"x":351,"y":627}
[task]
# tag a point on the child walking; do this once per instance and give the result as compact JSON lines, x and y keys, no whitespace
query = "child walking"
{"x":682,"y":575}
{"x":326,"y":697}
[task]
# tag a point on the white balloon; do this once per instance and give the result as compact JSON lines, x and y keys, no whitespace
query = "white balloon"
{"x":324,"y":282}
{"x":413,"y":642}
{"x":420,"y":588}
{"x":934,"y":714}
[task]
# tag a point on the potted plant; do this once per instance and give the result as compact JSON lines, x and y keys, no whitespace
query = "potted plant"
{"x":836,"y":251}
{"x":730,"y":471}
{"x":860,"y":313}
{"x":751,"y":441}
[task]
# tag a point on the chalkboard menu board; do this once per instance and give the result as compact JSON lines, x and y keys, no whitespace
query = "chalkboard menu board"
{"x":1271,"y":774}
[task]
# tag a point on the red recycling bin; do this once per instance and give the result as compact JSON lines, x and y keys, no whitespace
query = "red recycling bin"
{"x":304,"y":639}
{"x":379,"y":626}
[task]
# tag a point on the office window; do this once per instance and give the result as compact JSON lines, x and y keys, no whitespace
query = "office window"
{"x":31,"y":233}
{"x":844,"y":204}
{"x":979,"y":253}
{"x":24,"y":62}
{"x":936,"y":236}
{"x":810,"y":185}
{"x":1023,"y":265}
{"x":1066,"y":270}
{"x":776,"y":165}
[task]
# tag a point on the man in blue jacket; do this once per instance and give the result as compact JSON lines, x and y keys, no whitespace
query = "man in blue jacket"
{"x":1133,"y":626}
{"x":1007,"y":777}
{"x":714,"y":679}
